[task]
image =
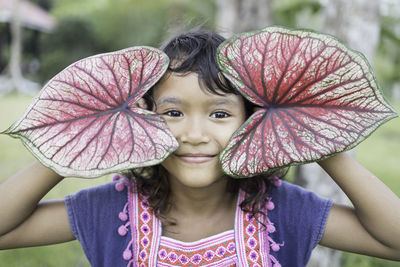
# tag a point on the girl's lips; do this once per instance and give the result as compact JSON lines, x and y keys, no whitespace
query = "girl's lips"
{"x":195,"y":158}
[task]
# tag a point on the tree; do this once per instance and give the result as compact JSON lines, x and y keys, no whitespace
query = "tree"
{"x":92,"y":27}
{"x":15,"y":60}
{"x":21,"y":14}
{"x":234,"y":16}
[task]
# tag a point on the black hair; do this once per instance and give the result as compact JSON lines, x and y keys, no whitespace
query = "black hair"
{"x":196,"y":52}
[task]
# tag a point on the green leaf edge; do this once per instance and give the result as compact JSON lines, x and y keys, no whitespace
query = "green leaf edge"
{"x":68,"y":172}
{"x":305,"y":33}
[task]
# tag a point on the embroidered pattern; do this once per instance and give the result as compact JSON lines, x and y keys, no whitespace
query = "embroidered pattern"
{"x":218,"y":250}
{"x":149,"y":232}
{"x":250,"y":239}
{"x":253,"y":242}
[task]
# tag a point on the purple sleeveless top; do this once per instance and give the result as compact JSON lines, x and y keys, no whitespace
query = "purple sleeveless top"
{"x":100,"y":220}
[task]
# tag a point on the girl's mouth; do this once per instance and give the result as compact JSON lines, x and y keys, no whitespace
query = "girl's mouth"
{"x":195,"y":158}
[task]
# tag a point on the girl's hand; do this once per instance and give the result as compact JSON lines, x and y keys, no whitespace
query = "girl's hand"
{"x":371,"y":227}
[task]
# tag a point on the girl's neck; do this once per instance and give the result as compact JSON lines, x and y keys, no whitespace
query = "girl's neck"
{"x":202,"y":202}
{"x":198,"y":213}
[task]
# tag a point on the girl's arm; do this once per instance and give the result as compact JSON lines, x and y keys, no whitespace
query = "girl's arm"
{"x":372,"y":227}
{"x":24,"y":220}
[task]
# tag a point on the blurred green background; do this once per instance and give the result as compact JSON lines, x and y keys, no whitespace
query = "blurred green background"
{"x":89,"y":27}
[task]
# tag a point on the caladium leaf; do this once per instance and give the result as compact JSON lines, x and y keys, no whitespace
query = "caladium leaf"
{"x":85,"y":123}
{"x":316,"y":97}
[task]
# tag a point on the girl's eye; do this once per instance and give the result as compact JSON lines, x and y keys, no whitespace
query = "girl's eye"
{"x":173,"y":113}
{"x":219,"y":115}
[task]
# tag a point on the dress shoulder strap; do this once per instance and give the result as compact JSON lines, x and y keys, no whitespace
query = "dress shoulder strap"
{"x":253,"y":242}
{"x":144,"y":227}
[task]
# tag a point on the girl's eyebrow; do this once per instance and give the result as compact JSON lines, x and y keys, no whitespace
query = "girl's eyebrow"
{"x":172,"y":100}
{"x":224,"y":101}
{"x":175,"y":100}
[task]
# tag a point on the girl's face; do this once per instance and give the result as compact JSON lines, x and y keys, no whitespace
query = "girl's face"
{"x":202,"y":123}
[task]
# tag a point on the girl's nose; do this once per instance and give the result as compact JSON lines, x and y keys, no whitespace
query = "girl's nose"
{"x":194,"y":132}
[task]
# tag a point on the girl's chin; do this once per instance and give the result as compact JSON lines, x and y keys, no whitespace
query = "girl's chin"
{"x":199,"y":180}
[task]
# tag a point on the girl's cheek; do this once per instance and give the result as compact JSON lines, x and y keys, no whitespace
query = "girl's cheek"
{"x":174,"y":128}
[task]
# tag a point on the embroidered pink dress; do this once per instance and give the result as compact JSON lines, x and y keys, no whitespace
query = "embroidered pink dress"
{"x":248,"y":244}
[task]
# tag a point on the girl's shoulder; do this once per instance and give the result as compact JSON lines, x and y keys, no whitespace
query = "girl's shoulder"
{"x":94,"y":216}
{"x":294,"y":202}
{"x":300,"y":216}
{"x":116,"y":188}
{"x":103,"y":198}
{"x":292,"y":192}
{"x":98,"y":191}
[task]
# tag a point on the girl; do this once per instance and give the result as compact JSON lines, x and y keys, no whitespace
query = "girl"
{"x":185,"y":211}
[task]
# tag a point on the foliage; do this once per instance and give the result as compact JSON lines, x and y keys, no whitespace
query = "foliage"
{"x":85,"y":123}
{"x":387,"y":58}
{"x":97,"y":26}
{"x":73,"y":39}
{"x":91,"y":27}
{"x":307,"y":13}
{"x":286,"y":12}
{"x":316,"y":97}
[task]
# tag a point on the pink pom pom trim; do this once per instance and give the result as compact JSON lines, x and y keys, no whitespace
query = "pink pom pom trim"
{"x":122,"y":230}
{"x":270,"y":205}
{"x":127,"y":255}
{"x":275,"y":247}
{"x":271,"y":228}
{"x":122,"y":216}
{"x":119,"y":186}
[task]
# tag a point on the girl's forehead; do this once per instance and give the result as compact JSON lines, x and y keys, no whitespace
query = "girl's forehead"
{"x":177,"y":88}
{"x":177,"y":83}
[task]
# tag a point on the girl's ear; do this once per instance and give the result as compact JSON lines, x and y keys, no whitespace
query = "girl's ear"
{"x":91,"y":119}
{"x":141,"y":103}
{"x":316,"y":97}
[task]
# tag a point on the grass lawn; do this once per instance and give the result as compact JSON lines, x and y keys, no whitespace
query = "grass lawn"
{"x":380,"y":153}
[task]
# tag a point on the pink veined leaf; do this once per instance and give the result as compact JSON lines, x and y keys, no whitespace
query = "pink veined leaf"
{"x":85,"y":123}
{"x":316,"y":96}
